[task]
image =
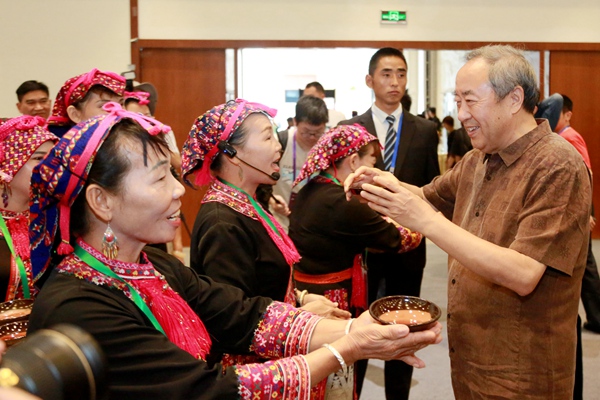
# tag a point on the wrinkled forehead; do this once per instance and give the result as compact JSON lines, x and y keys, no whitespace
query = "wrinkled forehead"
{"x":472,"y":76}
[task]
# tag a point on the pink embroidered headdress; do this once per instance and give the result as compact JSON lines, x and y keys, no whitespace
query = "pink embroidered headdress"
{"x":216,"y":125}
{"x":75,"y":89}
{"x":19,"y":139}
{"x":339,"y":142}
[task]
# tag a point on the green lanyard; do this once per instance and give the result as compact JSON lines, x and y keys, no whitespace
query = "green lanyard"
{"x":333,"y":178}
{"x":19,"y":262}
{"x":100,"y":267}
{"x":256,"y":206}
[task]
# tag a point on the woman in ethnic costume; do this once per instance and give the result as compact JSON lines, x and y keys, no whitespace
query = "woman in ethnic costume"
{"x":234,"y":240}
{"x":23,"y":143}
{"x":332,"y":234}
{"x":107,"y":187}
{"x":82,"y":97}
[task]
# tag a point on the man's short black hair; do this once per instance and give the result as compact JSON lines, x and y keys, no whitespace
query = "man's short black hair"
{"x":317,"y":86}
{"x":384,"y":52}
{"x":567,"y":103}
{"x":30,"y":86}
{"x":312,"y":110}
{"x":406,"y":101}
{"x":448,"y":120}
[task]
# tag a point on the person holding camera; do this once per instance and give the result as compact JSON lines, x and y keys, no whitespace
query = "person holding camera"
{"x":107,"y":189}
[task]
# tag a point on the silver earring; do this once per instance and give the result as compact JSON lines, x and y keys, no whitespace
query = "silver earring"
{"x":110,"y":248}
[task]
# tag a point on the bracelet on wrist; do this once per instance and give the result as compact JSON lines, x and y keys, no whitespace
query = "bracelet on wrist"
{"x":348,"y":325}
{"x":337,"y":355}
{"x":300,"y":297}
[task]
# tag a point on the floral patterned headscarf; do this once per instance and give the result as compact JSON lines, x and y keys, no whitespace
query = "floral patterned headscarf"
{"x":77,"y":87}
{"x":216,"y":125}
{"x":19,"y":139}
{"x":142,"y":98}
{"x":339,"y":142}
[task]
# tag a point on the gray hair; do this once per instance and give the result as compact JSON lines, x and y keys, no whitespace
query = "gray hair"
{"x":508,"y":69}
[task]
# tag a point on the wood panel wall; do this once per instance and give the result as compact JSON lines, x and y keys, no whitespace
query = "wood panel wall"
{"x":576,"y":74}
{"x":189,"y":82}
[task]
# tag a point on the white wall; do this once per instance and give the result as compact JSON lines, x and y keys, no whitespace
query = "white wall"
{"x":53,"y":40}
{"x":428,"y":20}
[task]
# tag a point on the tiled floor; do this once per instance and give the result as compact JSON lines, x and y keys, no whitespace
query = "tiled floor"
{"x":433,"y":382}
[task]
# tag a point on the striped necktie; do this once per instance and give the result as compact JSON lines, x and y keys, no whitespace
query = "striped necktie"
{"x":390,"y":143}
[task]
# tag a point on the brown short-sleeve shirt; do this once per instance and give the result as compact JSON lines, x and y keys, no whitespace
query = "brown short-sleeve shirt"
{"x":533,"y":197}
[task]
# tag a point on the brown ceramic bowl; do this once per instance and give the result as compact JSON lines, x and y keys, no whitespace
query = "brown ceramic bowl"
{"x":418,"y":314}
{"x":13,"y":332}
{"x":15,"y":310}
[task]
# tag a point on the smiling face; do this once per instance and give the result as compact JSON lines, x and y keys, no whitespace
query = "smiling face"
{"x":388,"y":82}
{"x":146,"y":210}
{"x":19,"y":186}
{"x":485,"y":118}
{"x":260,"y":149}
{"x":35,"y":103}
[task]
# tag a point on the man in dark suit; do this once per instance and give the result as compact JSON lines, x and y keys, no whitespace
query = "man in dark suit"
{"x":410,"y":153}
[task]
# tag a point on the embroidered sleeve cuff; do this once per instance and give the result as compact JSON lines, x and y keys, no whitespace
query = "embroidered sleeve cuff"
{"x":284,"y":331}
{"x":287,"y":378}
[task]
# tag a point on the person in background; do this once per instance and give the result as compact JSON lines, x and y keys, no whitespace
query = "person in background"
{"x":34,"y":99}
{"x":430,"y":114}
{"x":513,"y":217}
{"x":139,"y":102}
{"x":23,"y":143}
{"x":332,"y":234}
{"x":459,"y":142}
{"x":558,"y":109}
{"x":410,"y":152}
{"x":310,"y":124}
{"x":156,"y":320}
{"x":317,"y":90}
{"x":82,"y":97}
{"x":290,"y":122}
{"x":149,"y":88}
{"x":406,"y":101}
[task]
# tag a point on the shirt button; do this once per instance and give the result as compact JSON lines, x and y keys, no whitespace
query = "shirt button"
{"x":489,"y":178}
{"x":449,"y":315}
{"x":453,"y":281}
{"x":451,"y":349}
{"x":477,"y":214}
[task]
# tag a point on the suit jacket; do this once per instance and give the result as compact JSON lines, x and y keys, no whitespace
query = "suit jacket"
{"x":417,"y":160}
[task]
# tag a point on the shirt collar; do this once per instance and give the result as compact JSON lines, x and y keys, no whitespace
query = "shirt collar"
{"x":516,"y":149}
{"x":382,"y":115}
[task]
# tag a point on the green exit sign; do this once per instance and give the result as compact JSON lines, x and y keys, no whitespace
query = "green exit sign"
{"x":393,"y":17}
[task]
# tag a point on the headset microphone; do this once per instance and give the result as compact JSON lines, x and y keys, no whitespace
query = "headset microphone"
{"x":231,"y":152}
{"x":275,"y":175}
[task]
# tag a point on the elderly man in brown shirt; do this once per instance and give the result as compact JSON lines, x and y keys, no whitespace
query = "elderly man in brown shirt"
{"x":517,"y":240}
